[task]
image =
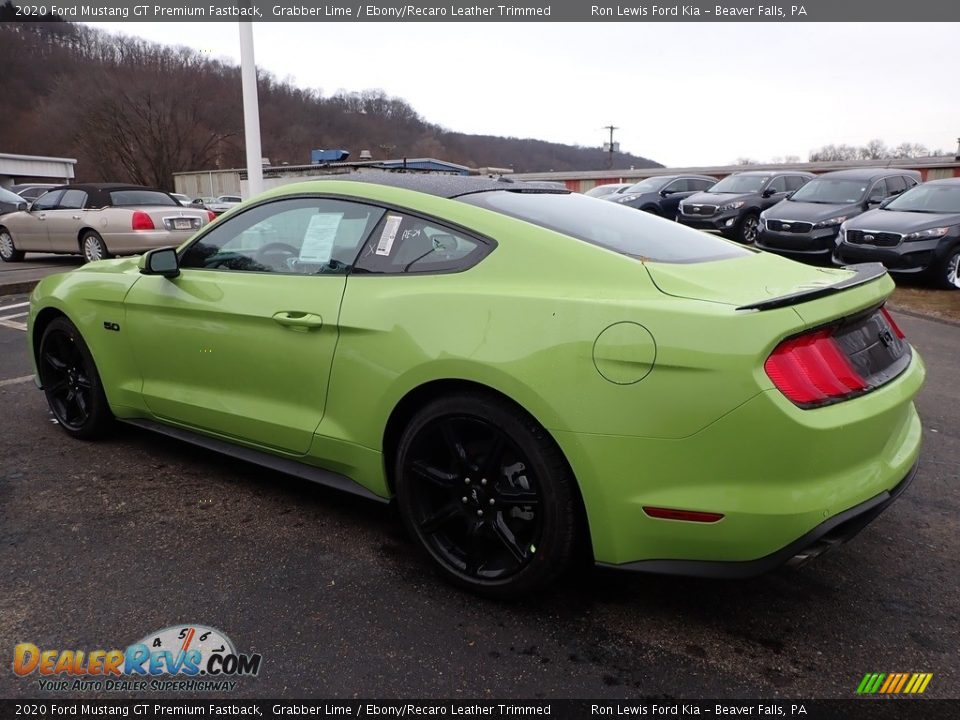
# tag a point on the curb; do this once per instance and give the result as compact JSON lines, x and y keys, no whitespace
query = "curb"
{"x":16,"y":288}
{"x":924,"y":316}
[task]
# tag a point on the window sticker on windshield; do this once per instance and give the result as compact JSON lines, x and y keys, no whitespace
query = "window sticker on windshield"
{"x":318,"y":239}
{"x":389,"y":234}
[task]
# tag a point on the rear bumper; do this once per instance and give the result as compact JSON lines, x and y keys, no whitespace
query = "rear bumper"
{"x":143,"y":240}
{"x":828,"y":534}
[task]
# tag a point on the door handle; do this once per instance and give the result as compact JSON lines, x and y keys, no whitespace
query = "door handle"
{"x":292,"y":318}
{"x":76,"y":217}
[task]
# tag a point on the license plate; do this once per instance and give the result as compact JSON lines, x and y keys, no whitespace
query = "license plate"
{"x":182,"y":224}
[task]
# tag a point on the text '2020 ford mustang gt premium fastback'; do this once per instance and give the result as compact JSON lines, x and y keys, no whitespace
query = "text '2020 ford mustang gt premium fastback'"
{"x":531,"y":374}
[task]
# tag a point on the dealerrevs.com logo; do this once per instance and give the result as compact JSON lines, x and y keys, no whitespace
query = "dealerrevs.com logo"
{"x":185,"y":658}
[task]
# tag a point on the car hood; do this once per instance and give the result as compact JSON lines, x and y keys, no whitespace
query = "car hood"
{"x":810,"y":212}
{"x":742,"y":280}
{"x":902,"y":222}
{"x":631,"y":197}
{"x":709,"y":198}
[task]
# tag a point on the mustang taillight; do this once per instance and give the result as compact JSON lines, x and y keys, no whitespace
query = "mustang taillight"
{"x":812,"y":369}
{"x":892,"y":323}
{"x":142,"y":221}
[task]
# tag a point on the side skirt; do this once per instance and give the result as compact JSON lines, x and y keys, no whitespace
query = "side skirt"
{"x":287,"y":466}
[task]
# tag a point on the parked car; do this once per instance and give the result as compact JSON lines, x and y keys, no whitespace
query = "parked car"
{"x":805,"y":225}
{"x":10,"y":202}
{"x":602,"y":191}
{"x":223,"y":203}
{"x":732,"y":207}
{"x":915,"y":232}
{"x":97,"y":221}
{"x":649,"y":394}
{"x":31,"y":191}
{"x":182,"y":199}
{"x":202,"y":201}
{"x":661,"y":195}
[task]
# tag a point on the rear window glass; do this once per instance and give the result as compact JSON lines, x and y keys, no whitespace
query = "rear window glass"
{"x":130,"y":198}
{"x":610,"y":225}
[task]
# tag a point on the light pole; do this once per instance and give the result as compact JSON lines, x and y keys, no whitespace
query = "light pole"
{"x":251,"y":111}
{"x":611,"y":147}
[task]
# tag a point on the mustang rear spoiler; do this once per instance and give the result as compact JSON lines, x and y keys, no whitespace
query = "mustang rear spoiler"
{"x":864,"y":273}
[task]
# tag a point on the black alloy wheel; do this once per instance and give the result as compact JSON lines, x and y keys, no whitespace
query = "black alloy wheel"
{"x":71,"y":382}
{"x":487,"y":495}
{"x":748,"y":229}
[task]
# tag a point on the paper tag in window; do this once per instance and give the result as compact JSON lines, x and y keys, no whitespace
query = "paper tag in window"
{"x":318,"y":239}
{"x":389,"y":234}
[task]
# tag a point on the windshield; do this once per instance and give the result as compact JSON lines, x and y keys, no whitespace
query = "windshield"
{"x":831,"y":192}
{"x":928,"y":199}
{"x":601,"y":190}
{"x":132,"y":198}
{"x":9,"y":197}
{"x":740,"y":184}
{"x":609,"y":225}
{"x":648,"y":185}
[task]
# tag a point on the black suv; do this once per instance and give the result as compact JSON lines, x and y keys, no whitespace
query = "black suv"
{"x":661,"y":195}
{"x":806,"y":224}
{"x":918,"y":231}
{"x":732,"y":207}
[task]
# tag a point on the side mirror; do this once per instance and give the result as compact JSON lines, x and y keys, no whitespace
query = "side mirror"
{"x":887,"y":201}
{"x":160,"y":261}
{"x":874,"y":201}
{"x":769,"y":192}
{"x":22,"y":207}
{"x":664,"y":193}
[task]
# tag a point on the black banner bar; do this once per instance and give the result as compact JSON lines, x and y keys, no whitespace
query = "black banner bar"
{"x":853,"y":709}
{"x":482,"y":11}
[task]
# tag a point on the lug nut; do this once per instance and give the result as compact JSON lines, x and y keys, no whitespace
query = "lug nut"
{"x":479,"y":513}
{"x":483,"y":482}
{"x":464,"y":498}
{"x":491,"y":501}
{"x":467,"y":481}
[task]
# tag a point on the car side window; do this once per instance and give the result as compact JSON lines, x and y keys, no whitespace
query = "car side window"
{"x":678,"y":185}
{"x":778,"y":184}
{"x":701,"y":185}
{"x":896,"y":185}
{"x":72,"y":200}
{"x":302,"y":236}
{"x":795,"y":182}
{"x":878,"y":192}
{"x":910,"y":181}
{"x":47,"y":201}
{"x":403,"y":244}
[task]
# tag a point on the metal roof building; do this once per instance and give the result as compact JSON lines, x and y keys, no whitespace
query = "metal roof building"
{"x":34,"y":168}
{"x":931,"y":168}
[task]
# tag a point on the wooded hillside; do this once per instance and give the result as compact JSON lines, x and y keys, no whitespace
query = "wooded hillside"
{"x":136,"y":111}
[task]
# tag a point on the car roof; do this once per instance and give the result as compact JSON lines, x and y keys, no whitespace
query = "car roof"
{"x":944,"y":181}
{"x":869,"y":173}
{"x":446,"y":186}
{"x":674,"y":177}
{"x":770,"y":173}
{"x":98,"y":194}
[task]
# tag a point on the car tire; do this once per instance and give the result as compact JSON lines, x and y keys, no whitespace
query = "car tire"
{"x":8,"y":251}
{"x":947,"y":273}
{"x":71,"y":382}
{"x":748,"y":228}
{"x":487,"y":495}
{"x":92,"y":247}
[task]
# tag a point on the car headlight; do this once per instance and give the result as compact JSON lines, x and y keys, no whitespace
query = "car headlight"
{"x":926,"y":234}
{"x":732,"y":206}
{"x":841,"y":234}
{"x":831,"y":222}
{"x":625,"y":198}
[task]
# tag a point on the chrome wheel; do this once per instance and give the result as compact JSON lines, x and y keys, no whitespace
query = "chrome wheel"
{"x":93,"y":249}
{"x":952,"y":275}
{"x":8,"y":251}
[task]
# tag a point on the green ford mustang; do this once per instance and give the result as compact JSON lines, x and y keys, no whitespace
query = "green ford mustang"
{"x":534,"y":375}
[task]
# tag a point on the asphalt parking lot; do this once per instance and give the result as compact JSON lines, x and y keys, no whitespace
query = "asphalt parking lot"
{"x":101,"y":543}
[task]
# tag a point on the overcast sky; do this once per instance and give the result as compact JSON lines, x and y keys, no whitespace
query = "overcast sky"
{"x":681,"y":94}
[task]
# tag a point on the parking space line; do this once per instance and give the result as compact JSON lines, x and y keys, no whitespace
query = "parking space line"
{"x":11,"y":317}
{"x":16,"y":381}
{"x":14,"y":305}
{"x":13,"y":325}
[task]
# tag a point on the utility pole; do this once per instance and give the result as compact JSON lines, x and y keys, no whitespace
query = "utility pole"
{"x":611,"y":147}
{"x":251,"y":111}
